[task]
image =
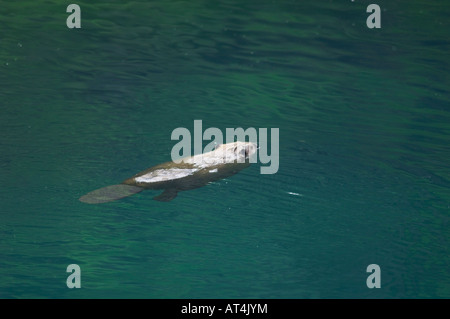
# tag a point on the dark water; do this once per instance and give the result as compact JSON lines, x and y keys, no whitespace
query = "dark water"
{"x":364,"y":176}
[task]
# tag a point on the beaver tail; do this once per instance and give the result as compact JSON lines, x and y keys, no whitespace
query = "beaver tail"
{"x":110,"y":193}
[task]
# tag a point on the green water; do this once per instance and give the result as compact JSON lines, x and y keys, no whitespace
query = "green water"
{"x":364,"y":175}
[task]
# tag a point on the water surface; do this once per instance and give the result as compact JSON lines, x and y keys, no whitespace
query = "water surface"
{"x":364,"y":173}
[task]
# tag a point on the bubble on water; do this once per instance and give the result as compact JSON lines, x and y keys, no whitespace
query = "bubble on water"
{"x":294,"y":194}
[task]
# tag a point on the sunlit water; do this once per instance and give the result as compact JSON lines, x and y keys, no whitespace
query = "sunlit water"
{"x":364,"y":172}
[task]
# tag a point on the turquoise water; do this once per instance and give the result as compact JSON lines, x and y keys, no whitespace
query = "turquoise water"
{"x":364,"y":175}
